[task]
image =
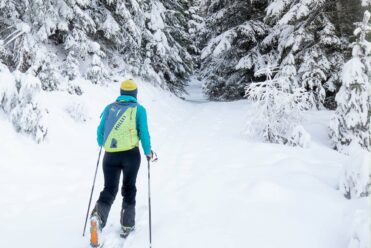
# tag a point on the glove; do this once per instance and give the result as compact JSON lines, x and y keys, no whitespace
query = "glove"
{"x":152,"y":156}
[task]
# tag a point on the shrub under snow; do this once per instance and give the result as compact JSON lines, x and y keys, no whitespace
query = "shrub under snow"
{"x":8,"y":90}
{"x":277,"y":111}
{"x":300,"y":137}
{"x":77,"y":111}
{"x":18,"y":97}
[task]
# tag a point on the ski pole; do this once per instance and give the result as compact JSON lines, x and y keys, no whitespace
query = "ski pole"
{"x":149,"y":204}
{"x":154,"y":159}
{"x":92,"y":190}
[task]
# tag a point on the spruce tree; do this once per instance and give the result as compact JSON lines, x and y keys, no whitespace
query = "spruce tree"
{"x":352,"y":119}
{"x":304,"y":30}
{"x":167,"y":43}
{"x":232,"y":30}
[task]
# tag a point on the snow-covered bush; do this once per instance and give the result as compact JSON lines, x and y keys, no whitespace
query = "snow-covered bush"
{"x":27,"y":116}
{"x":300,"y":137}
{"x":8,"y":90}
{"x":77,"y":111}
{"x":73,"y":88}
{"x":355,"y":180}
{"x":352,"y":118}
{"x":276,"y":113}
{"x":48,"y":74}
{"x":97,"y":73}
{"x":18,"y":98}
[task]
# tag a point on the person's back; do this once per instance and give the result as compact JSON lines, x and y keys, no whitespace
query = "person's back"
{"x":123,"y":124}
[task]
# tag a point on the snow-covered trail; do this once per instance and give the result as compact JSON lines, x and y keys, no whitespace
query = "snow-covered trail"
{"x":210,"y":188}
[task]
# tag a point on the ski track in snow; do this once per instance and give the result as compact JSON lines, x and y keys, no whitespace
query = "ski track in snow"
{"x":210,"y":188}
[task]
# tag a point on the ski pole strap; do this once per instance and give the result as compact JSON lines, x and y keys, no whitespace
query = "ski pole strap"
{"x":154,"y":157}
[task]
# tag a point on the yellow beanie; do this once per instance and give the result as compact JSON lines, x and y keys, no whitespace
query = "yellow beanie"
{"x":129,"y":88}
{"x":128,"y":85}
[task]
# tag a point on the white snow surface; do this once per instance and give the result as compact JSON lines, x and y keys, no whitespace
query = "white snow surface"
{"x":210,"y":188}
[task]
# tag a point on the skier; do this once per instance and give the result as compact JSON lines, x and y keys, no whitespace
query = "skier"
{"x":123,"y":124}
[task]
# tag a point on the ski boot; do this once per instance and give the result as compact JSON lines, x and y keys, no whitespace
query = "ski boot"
{"x":126,"y":230}
{"x":127,"y":220}
{"x":95,"y":230}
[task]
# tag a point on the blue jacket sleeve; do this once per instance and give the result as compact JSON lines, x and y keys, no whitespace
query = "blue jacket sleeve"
{"x":142,"y":127}
{"x":100,"y":130}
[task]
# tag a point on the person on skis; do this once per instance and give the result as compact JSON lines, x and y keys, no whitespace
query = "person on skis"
{"x":123,"y":124}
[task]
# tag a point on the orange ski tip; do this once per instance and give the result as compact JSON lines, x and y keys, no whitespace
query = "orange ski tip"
{"x":94,"y":234}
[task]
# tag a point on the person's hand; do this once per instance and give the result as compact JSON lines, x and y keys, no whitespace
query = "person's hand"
{"x":152,"y":156}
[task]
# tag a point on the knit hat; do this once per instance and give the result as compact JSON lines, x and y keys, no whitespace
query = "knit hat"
{"x":129,"y":88}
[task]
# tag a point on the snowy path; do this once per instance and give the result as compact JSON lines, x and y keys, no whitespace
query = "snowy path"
{"x":213,"y":189}
{"x":210,"y":188}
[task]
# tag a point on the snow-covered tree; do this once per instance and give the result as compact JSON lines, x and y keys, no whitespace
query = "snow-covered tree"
{"x":229,"y":36}
{"x":241,"y":37}
{"x":60,"y":41}
{"x":195,"y":24}
{"x":352,"y":119}
{"x":71,"y":70}
{"x":168,"y":44}
{"x":305,"y":30}
{"x":313,"y":74}
{"x":146,"y":38}
{"x":276,"y":114}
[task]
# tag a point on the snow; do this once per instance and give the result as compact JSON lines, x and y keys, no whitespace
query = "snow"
{"x":110,"y":26}
{"x":210,"y":188}
{"x":355,"y":180}
{"x":219,"y":44}
{"x":156,"y":21}
{"x":277,"y":7}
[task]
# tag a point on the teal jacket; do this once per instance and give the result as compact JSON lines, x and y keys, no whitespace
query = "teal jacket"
{"x":142,"y":124}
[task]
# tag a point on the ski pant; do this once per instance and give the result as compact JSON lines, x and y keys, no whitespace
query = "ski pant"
{"x":114,"y":163}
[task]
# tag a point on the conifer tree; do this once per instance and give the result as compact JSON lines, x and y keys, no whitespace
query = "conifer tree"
{"x":352,"y":119}
{"x":305,"y":30}
{"x":228,"y":36}
{"x":167,"y":42}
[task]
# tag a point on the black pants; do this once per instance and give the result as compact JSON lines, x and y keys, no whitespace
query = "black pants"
{"x":114,"y":163}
